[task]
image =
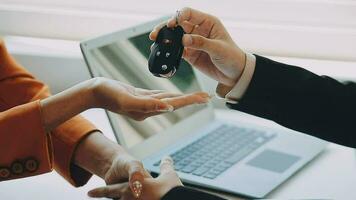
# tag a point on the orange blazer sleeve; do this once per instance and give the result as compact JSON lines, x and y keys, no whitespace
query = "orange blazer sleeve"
{"x":24,"y":144}
{"x":22,"y":136}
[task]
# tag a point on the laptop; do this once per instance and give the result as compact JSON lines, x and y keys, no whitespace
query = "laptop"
{"x":228,"y":155}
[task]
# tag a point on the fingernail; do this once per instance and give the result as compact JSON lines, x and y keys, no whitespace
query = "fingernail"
{"x":205,"y":100}
{"x":167,"y":159}
{"x":169,"y":108}
{"x":205,"y":95}
{"x":212,"y":95}
{"x":91,"y":194}
{"x":137,"y":187}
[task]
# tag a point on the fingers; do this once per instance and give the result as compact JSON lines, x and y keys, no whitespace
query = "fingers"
{"x":109,"y":191}
{"x":157,"y":94}
{"x":141,"y":91}
{"x":166,"y":165}
{"x":188,"y":18}
{"x":165,"y":95}
{"x":153,"y":35}
{"x":146,"y":105}
{"x":176,"y":101}
{"x":188,"y":14}
{"x":189,"y":99}
{"x":136,"y":177}
{"x":188,"y":27}
{"x":200,"y":43}
{"x":168,"y":176}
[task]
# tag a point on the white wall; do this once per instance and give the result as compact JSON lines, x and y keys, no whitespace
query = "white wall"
{"x":318,"y":29}
{"x":55,"y":62}
{"x":322,"y":30}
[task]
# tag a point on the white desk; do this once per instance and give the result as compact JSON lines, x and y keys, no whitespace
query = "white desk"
{"x":332,"y":175}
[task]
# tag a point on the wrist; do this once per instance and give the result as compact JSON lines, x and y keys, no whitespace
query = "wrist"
{"x":240,"y":66}
{"x":107,"y":166}
{"x":222,"y":89}
{"x":94,"y":86}
{"x":233,"y":67}
{"x":121,"y":166}
{"x":113,"y":158}
{"x":96,"y":154}
{"x":60,"y":107}
{"x":101,"y":94}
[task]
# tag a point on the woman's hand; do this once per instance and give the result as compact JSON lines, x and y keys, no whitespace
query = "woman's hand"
{"x":140,"y":103}
{"x":125,"y":168}
{"x":152,"y":188}
{"x":108,"y":160}
{"x":208,"y":46}
{"x":114,"y":96}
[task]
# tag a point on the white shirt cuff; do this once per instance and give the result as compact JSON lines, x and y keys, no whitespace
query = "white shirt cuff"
{"x":237,"y":92}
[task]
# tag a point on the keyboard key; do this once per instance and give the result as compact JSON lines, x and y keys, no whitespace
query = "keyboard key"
{"x":178,"y":166}
{"x":201,"y":170}
{"x":189,"y":169}
{"x":224,"y":165}
{"x":211,"y":175}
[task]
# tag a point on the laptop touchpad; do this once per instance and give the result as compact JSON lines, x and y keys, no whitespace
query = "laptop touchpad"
{"x":273,"y":161}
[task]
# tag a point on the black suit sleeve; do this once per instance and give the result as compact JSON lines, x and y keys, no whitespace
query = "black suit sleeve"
{"x":183,"y":193}
{"x":303,"y":101}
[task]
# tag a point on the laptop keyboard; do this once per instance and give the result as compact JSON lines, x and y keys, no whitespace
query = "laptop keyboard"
{"x":219,"y":150}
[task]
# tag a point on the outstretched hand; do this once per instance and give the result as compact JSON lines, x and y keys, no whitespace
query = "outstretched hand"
{"x":140,"y":103}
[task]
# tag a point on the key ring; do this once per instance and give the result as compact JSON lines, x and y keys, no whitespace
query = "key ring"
{"x":177,"y":16}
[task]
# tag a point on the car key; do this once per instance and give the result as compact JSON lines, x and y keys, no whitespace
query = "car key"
{"x":166,"y":52}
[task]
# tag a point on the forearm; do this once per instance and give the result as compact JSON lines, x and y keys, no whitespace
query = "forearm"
{"x":300,"y":100}
{"x":61,"y":107}
{"x":96,"y":154}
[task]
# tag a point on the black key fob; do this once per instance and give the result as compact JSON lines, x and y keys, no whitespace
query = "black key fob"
{"x":166,"y":52}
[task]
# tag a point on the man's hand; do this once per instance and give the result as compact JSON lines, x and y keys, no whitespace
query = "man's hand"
{"x":153,"y":188}
{"x":208,"y":46}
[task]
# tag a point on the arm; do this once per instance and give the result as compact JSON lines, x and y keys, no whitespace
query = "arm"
{"x":77,"y":145}
{"x":291,"y":96}
{"x":19,"y":93}
{"x":301,"y":100}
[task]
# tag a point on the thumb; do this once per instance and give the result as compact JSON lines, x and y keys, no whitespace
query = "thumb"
{"x":199,"y":42}
{"x":166,"y":166}
{"x":168,"y":176}
{"x":136,"y":177}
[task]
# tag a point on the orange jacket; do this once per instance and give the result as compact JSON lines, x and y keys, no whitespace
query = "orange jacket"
{"x":25,"y":148}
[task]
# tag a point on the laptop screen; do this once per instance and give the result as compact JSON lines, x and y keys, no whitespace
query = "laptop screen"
{"x":126,"y":60}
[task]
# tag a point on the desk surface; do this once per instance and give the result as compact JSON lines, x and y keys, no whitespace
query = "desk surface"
{"x":331,"y":175}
